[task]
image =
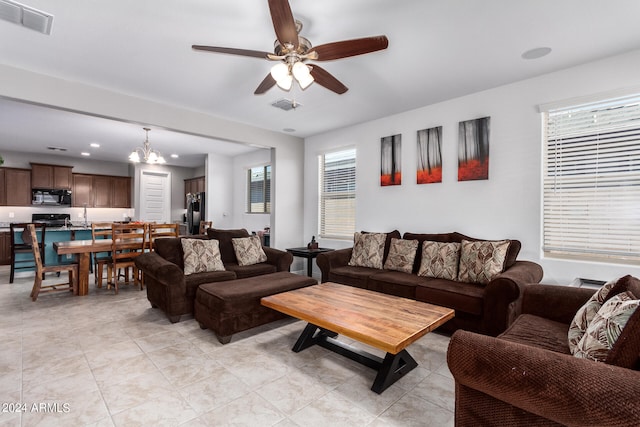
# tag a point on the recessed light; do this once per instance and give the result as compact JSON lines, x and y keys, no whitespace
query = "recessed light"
{"x":94,"y":145}
{"x":174,"y":156}
{"x":536,"y":53}
{"x":84,"y":153}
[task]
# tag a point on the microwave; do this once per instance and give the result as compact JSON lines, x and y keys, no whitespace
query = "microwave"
{"x":42,"y":197}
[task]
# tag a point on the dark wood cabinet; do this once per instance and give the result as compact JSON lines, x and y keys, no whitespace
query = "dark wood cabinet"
{"x":193,"y":185}
{"x":5,"y":248}
{"x":51,"y":176}
{"x":121,"y":192}
{"x":17,"y":187}
{"x":101,"y":191}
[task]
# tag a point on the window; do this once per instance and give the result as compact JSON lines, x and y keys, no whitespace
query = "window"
{"x":337,"y":202}
{"x":591,"y":187}
{"x":259,"y":189}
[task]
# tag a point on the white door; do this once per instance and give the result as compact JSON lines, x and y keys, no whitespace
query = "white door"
{"x":155,"y":189}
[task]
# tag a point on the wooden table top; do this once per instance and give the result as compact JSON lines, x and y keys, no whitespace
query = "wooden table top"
{"x":85,"y":246}
{"x":383,"y":321}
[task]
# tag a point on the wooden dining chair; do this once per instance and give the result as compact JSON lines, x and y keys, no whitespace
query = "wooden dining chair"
{"x":203,"y":227}
{"x":162,"y":230}
{"x":127,"y":242}
{"x":21,"y":244}
{"x":41,"y":269}
{"x":101,"y":230}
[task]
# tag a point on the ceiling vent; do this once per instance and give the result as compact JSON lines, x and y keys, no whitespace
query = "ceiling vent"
{"x":286,"y":104}
{"x":56,"y":148}
{"x":26,"y":16}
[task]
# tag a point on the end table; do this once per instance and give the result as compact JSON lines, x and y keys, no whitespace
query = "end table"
{"x":309,"y":254}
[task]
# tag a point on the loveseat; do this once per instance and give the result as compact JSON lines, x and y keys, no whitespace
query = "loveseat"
{"x":487,"y":308}
{"x":169,"y":289}
{"x":528,"y":377}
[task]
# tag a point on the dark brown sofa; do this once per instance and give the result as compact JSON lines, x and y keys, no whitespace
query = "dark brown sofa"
{"x":487,"y":309}
{"x":527,"y":376}
{"x":173,"y":292}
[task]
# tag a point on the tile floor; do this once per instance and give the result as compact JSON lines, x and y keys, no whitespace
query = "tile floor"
{"x":107,"y":360}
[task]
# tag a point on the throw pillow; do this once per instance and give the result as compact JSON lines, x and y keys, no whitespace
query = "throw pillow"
{"x":440,"y":260}
{"x":606,"y":327}
{"x":482,"y":260}
{"x":401,"y":255}
{"x":368,"y":250}
{"x":585,"y":314}
{"x":201,"y":255}
{"x":248,"y":250}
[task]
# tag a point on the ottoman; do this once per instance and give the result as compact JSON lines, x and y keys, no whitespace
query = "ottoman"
{"x":234,"y":305}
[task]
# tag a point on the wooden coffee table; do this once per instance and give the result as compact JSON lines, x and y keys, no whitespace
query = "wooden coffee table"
{"x":386,"y":322}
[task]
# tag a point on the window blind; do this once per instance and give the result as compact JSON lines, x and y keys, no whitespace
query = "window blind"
{"x":259,"y":189}
{"x":337,"y":194}
{"x":591,"y":184}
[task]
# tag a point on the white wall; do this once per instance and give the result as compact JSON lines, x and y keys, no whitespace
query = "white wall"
{"x":219,"y":191}
{"x":287,"y":224}
{"x":508,"y":205}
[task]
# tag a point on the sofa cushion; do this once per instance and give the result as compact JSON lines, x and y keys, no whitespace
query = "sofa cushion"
{"x":170,"y":249}
{"x":201,"y":256}
{"x":244,"y":271}
{"x":396,"y":283}
{"x":368,"y":250}
{"x":401,"y":255}
{"x":586,"y":313}
{"x":481,"y":261}
{"x":627,"y":283}
{"x":464,"y":297}
{"x":512,"y":252}
{"x":193,"y":281}
{"x":440,"y":260}
{"x":422,"y":237}
{"x":354,"y":276}
{"x":395,"y":234}
{"x":224,"y":237}
{"x":606,"y":327}
{"x":248,"y":250}
{"x":539,"y":332}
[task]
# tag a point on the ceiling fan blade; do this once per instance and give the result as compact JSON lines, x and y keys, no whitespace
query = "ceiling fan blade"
{"x":266,"y":84}
{"x":347,"y":48}
{"x":324,"y":78}
{"x":232,"y":51}
{"x":283,"y":22}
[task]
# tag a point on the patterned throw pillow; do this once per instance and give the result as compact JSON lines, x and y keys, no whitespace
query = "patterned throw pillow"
{"x":368,"y":250}
{"x":481,"y":261}
{"x":440,"y":260}
{"x":248,"y":250}
{"x":201,"y":255}
{"x":586,"y":313}
{"x":606,"y":327}
{"x":401,"y":255}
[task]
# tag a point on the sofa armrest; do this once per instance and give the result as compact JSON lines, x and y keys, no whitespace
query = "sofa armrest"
{"x":555,"y":386}
{"x":328,"y":260}
{"x":503,"y":295}
{"x":162,"y":271}
{"x":281,"y":259}
{"x":559,"y":303}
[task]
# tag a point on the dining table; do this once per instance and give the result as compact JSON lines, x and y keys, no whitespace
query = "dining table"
{"x":84,"y":249}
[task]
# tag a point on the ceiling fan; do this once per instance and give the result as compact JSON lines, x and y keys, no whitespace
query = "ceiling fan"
{"x":292,"y":51}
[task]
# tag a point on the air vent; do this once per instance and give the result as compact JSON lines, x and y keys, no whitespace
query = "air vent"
{"x":26,"y":16}
{"x":56,"y":148}
{"x":286,"y":104}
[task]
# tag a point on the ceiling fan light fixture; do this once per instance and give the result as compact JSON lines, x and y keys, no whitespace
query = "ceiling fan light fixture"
{"x":302,"y":73}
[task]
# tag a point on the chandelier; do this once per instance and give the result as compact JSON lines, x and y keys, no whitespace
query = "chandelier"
{"x":148,"y":155}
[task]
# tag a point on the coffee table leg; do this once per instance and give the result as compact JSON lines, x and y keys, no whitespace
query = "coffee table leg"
{"x":307,"y":339}
{"x":394,"y":367}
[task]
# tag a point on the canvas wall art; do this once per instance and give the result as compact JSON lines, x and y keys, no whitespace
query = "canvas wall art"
{"x":473,"y":149}
{"x":390,"y":160}
{"x":429,"y":161}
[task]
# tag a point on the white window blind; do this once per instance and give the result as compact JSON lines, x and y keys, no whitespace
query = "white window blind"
{"x":259,"y":189}
{"x":337,"y":193}
{"x":592,"y":181}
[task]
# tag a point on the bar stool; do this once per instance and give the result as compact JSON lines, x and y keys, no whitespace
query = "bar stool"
{"x":24,"y":246}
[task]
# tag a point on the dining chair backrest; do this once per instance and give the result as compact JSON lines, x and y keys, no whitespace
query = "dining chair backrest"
{"x":21,"y":243}
{"x":35,"y":247}
{"x":101,"y":230}
{"x":203,"y":226}
{"x":162,"y":230}
{"x":127,"y":240}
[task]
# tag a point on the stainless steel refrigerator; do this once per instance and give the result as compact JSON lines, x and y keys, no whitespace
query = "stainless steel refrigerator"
{"x":195,"y":211}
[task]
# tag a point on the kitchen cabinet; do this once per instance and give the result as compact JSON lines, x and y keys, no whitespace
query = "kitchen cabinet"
{"x":101,"y":191}
{"x":193,"y":185}
{"x":5,"y":248}
{"x":51,"y":176}
{"x":17,"y":187}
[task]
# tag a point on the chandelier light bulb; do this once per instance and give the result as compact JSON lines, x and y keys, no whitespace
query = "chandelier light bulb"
{"x":148,"y":155}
